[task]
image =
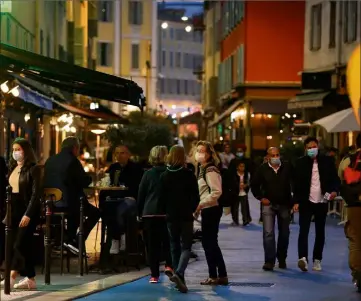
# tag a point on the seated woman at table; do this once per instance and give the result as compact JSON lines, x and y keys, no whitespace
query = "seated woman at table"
{"x":123,"y":172}
{"x":148,"y":205}
{"x":25,"y":179}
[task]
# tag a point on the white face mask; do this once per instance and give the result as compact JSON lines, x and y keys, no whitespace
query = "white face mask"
{"x":18,"y":156}
{"x":200,"y":157}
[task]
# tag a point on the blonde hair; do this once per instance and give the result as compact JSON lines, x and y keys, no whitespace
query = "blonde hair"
{"x":210,"y":150}
{"x":177,"y":156}
{"x":157,"y":155}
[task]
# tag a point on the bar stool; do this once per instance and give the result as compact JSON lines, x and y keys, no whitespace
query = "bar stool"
{"x":51,"y":197}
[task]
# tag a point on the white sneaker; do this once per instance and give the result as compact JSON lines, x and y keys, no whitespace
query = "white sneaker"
{"x":317,"y":265}
{"x":26,"y":283}
{"x":115,"y":247}
{"x":122,"y":243}
{"x":302,"y":264}
{"x":12,"y":283}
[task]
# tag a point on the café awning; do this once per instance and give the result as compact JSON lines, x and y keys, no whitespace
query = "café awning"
{"x":226,"y":113}
{"x":307,"y":100}
{"x":69,"y":77}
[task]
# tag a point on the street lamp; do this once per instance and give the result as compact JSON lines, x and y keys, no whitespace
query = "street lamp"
{"x":98,"y":132}
{"x":164,"y":25}
{"x":184,"y":18}
{"x":188,"y":28}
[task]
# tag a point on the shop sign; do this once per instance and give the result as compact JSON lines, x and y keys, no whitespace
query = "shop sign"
{"x":5,"y":6}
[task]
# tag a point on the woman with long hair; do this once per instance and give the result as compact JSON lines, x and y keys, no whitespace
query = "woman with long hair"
{"x":180,"y":198}
{"x":24,"y":178}
{"x":153,"y":215}
{"x":210,"y":190}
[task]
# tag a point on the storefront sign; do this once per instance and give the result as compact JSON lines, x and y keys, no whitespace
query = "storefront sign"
{"x":5,"y":6}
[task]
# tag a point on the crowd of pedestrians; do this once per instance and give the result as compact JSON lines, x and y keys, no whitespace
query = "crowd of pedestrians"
{"x":178,"y":189}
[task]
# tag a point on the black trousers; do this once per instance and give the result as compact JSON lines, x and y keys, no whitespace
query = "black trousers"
{"x":156,"y":234}
{"x":22,"y":259}
{"x":211,"y":218}
{"x":92,"y":216}
{"x":306,"y":211}
{"x":246,"y":215}
{"x":181,"y":236}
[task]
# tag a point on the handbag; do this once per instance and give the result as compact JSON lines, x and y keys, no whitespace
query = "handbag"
{"x":350,"y":174}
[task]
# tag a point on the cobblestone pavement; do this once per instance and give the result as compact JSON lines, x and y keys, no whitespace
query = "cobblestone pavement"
{"x":243,"y":252}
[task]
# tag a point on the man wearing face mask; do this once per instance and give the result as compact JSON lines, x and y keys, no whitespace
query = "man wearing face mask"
{"x":272,"y":185}
{"x":316,"y":183}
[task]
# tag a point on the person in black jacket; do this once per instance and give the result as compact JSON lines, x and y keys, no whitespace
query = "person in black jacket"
{"x":65,"y":172}
{"x":316,"y":183}
{"x":3,"y":184}
{"x":25,"y":180}
{"x":153,"y":215}
{"x":180,"y":199}
{"x":240,"y":181}
{"x":272,"y":185}
{"x":123,"y":172}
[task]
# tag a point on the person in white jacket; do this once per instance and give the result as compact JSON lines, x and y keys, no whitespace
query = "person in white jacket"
{"x":210,"y":190}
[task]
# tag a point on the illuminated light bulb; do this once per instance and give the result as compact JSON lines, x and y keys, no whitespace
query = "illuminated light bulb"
{"x":4,"y":87}
{"x":188,"y":28}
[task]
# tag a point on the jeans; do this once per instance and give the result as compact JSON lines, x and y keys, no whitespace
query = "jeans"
{"x":269,"y":214}
{"x":353,"y":234}
{"x":181,"y":236}
{"x":246,"y":215}
{"x":211,"y":218}
{"x":306,"y":211}
{"x":156,"y":234}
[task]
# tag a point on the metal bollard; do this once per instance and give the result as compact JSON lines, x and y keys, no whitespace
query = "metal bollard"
{"x":80,"y":238}
{"x":48,"y":214}
{"x":8,"y":241}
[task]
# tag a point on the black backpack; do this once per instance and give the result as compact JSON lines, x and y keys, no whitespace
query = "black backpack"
{"x":225,"y":200}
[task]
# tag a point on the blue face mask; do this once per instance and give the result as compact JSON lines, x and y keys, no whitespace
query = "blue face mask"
{"x":312,"y":152}
{"x":275,"y":161}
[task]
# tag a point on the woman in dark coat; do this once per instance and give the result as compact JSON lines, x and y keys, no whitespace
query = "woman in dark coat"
{"x":24,"y":178}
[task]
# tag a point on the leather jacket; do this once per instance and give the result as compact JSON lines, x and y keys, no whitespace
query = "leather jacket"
{"x":30,"y":189}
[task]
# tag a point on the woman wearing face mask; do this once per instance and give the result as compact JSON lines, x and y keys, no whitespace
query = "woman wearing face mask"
{"x":24,"y":178}
{"x":210,"y":190}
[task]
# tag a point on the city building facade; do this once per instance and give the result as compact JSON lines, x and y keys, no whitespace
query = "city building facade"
{"x":180,"y":57}
{"x":127,"y":44}
{"x":332,"y":32}
{"x":259,"y":67}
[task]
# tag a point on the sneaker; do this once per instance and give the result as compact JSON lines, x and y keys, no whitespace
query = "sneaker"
{"x":154,"y":280}
{"x":223,"y":281}
{"x":317,"y":265}
{"x":122,"y":243}
{"x":114,"y":249}
{"x":12,"y":283}
{"x":169,"y":272}
{"x":302,"y":264}
{"x":26,"y":283}
{"x":282,"y":264}
{"x":210,"y":281}
{"x":180,"y":283}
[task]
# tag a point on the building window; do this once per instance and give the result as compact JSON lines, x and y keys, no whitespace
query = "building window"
{"x":162,"y":85}
{"x":135,"y":11}
{"x":316,"y":27}
{"x":105,"y":11}
{"x":105,"y":54}
{"x":178,"y":59}
{"x":164,"y":58}
{"x":185,"y":86}
{"x":171,"y":63}
{"x":333,"y":23}
{"x":41,"y":42}
{"x":178,"y":86}
{"x":171,"y":33}
{"x":350,"y":24}
{"x":170,"y":86}
{"x":135,"y":56}
{"x":26,"y":41}
{"x":179,"y":34}
{"x":185,"y":60}
{"x":48,"y":46}
{"x":8,"y":29}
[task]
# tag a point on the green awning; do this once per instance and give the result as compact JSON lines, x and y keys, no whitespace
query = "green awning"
{"x":70,"y":77}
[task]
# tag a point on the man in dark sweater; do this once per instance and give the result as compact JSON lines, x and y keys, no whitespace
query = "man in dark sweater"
{"x":272,"y":185}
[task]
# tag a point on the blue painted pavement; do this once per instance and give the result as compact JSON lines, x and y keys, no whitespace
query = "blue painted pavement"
{"x":243,"y":252}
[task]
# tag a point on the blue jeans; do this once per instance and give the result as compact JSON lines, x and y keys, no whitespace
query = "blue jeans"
{"x":181,"y":236}
{"x":269,"y":214}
